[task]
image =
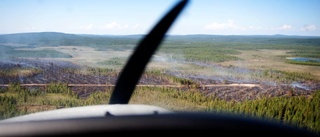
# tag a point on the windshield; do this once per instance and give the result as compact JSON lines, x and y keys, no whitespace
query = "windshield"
{"x":253,"y":57}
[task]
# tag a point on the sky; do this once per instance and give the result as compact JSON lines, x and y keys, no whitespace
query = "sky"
{"x":126,"y":17}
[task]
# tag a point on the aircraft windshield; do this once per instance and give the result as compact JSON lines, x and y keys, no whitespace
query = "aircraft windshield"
{"x":257,"y":58}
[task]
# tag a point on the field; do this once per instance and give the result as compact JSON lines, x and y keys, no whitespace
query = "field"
{"x":248,"y":75}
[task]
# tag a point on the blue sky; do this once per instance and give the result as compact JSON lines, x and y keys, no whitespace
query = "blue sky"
{"x":122,"y":17}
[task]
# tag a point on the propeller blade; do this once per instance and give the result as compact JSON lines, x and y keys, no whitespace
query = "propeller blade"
{"x":136,"y":64}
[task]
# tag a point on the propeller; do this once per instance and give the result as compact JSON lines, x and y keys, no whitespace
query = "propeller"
{"x":136,"y":64}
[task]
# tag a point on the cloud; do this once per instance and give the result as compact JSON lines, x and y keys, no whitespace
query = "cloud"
{"x":285,"y":27}
{"x":229,"y":25}
{"x":115,"y":25}
{"x":308,"y":27}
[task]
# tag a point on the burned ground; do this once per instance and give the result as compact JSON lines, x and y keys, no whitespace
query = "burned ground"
{"x":84,"y":81}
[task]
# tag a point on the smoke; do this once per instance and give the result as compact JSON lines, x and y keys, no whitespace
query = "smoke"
{"x":299,"y":85}
{"x":164,"y":58}
{"x":232,"y":74}
{"x":171,"y":61}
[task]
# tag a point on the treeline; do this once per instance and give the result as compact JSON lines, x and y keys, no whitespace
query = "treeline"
{"x":310,"y":63}
{"x":206,"y":48}
{"x":286,"y":76}
{"x":114,"y":62}
{"x":299,"y":111}
{"x":204,"y":52}
{"x":19,"y":72}
{"x":215,"y":51}
{"x":57,"y":39}
{"x":307,"y":52}
{"x":7,"y":52}
{"x":16,"y":100}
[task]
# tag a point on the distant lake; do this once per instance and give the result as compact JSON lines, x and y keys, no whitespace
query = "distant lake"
{"x":304,"y":59}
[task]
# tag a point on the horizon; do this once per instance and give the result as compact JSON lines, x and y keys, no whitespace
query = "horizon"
{"x":166,"y":34}
{"x":201,"y":17}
